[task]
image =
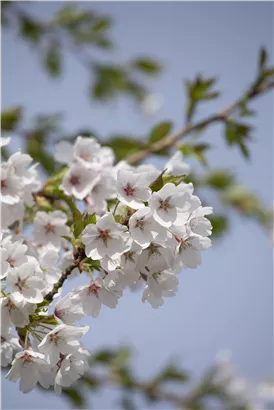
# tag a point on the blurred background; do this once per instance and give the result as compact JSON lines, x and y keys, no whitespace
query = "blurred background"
{"x":227,"y":302}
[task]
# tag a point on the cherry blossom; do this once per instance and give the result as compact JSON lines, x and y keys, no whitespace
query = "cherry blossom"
{"x":9,"y":343}
{"x":105,"y":238}
{"x":49,"y":227}
{"x":29,"y":366}
{"x":133,"y":188}
{"x":93,"y":295}
{"x":79,"y":180}
{"x":62,"y":339}
{"x":11,"y":185}
{"x":166,"y":202}
{"x":25,"y":284}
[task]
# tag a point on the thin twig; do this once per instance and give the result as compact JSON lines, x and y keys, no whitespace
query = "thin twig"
{"x":171,"y":140}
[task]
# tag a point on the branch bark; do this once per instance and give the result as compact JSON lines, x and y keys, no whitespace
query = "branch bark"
{"x":171,"y":140}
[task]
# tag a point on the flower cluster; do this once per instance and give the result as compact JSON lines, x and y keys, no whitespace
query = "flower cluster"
{"x":138,"y":228}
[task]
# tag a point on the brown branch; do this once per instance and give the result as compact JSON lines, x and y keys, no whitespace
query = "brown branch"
{"x":78,"y":259}
{"x":170,"y":140}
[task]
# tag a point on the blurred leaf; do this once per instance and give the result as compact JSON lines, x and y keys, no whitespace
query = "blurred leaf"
{"x":220,"y":224}
{"x":101,"y":24}
{"x":52,"y":58}
{"x":262,"y":59}
{"x":30,"y":29}
{"x":71,"y":16}
{"x":123,"y":146}
{"x":90,"y":380}
{"x":77,"y":398}
{"x":172,"y":373}
{"x":237,"y":134}
{"x":38,"y":153}
{"x":147,"y":66}
{"x":104,"y":356}
{"x":197,"y":151}
{"x":199,"y":90}
{"x":127,"y":403}
{"x":121,"y":358}
{"x":160,"y":131}
{"x":10,"y":118}
{"x":219,"y":179}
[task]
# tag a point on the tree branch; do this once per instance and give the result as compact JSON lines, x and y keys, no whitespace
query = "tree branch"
{"x":170,"y":140}
{"x":78,"y":259}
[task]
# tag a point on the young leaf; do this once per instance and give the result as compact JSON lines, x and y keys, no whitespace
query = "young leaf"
{"x":160,"y":131}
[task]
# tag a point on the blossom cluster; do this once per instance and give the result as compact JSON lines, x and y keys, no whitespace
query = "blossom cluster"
{"x":139,"y":228}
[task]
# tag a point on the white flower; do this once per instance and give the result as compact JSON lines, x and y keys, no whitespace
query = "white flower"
{"x":80,"y":180}
{"x":12,"y":255}
{"x":152,"y":103}
{"x":71,"y":368}
{"x":86,"y":150}
{"x":13,"y":312}
{"x":11,"y":185}
{"x":4,"y":141}
{"x":156,"y":253}
{"x":91,"y":297}
{"x":63,"y":339}
{"x":106,"y":157}
{"x":67,"y":310}
{"x":25,"y":284}
{"x":189,"y":248}
{"x":160,"y":282}
{"x":49,"y":227}
{"x":144,"y":229}
{"x":67,"y":259}
{"x":8,"y":343}
{"x":47,"y":263}
{"x":11,"y":213}
{"x":176,"y":166}
{"x":197,"y":222}
{"x":133,"y":188}
{"x":105,"y":238}
{"x":166,"y":202}
{"x":29,"y":366}
{"x":20,"y":163}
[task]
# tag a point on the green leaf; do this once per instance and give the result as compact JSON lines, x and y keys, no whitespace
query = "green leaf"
{"x":172,"y":373}
{"x":220,"y":224}
{"x":121,"y":358}
{"x":174,"y":179}
{"x":124,"y":146}
{"x":199,"y":90}
{"x":36,"y":150}
{"x":262,"y":59}
{"x":219,"y":179}
{"x":160,"y":131}
{"x":52,"y":58}
{"x":75,"y":397}
{"x":197,"y":151}
{"x":104,"y":356}
{"x":68,"y":238}
{"x":10,"y":118}
{"x":158,"y":183}
{"x":78,"y":224}
{"x":147,"y":66}
{"x":101,"y":25}
{"x":30,"y":29}
{"x":89,"y":219}
{"x":236,"y":134}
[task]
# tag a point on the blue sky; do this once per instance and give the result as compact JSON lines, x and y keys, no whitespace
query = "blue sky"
{"x":227,"y":302}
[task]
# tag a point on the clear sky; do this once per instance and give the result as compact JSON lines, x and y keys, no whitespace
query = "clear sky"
{"x":227,"y":302}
